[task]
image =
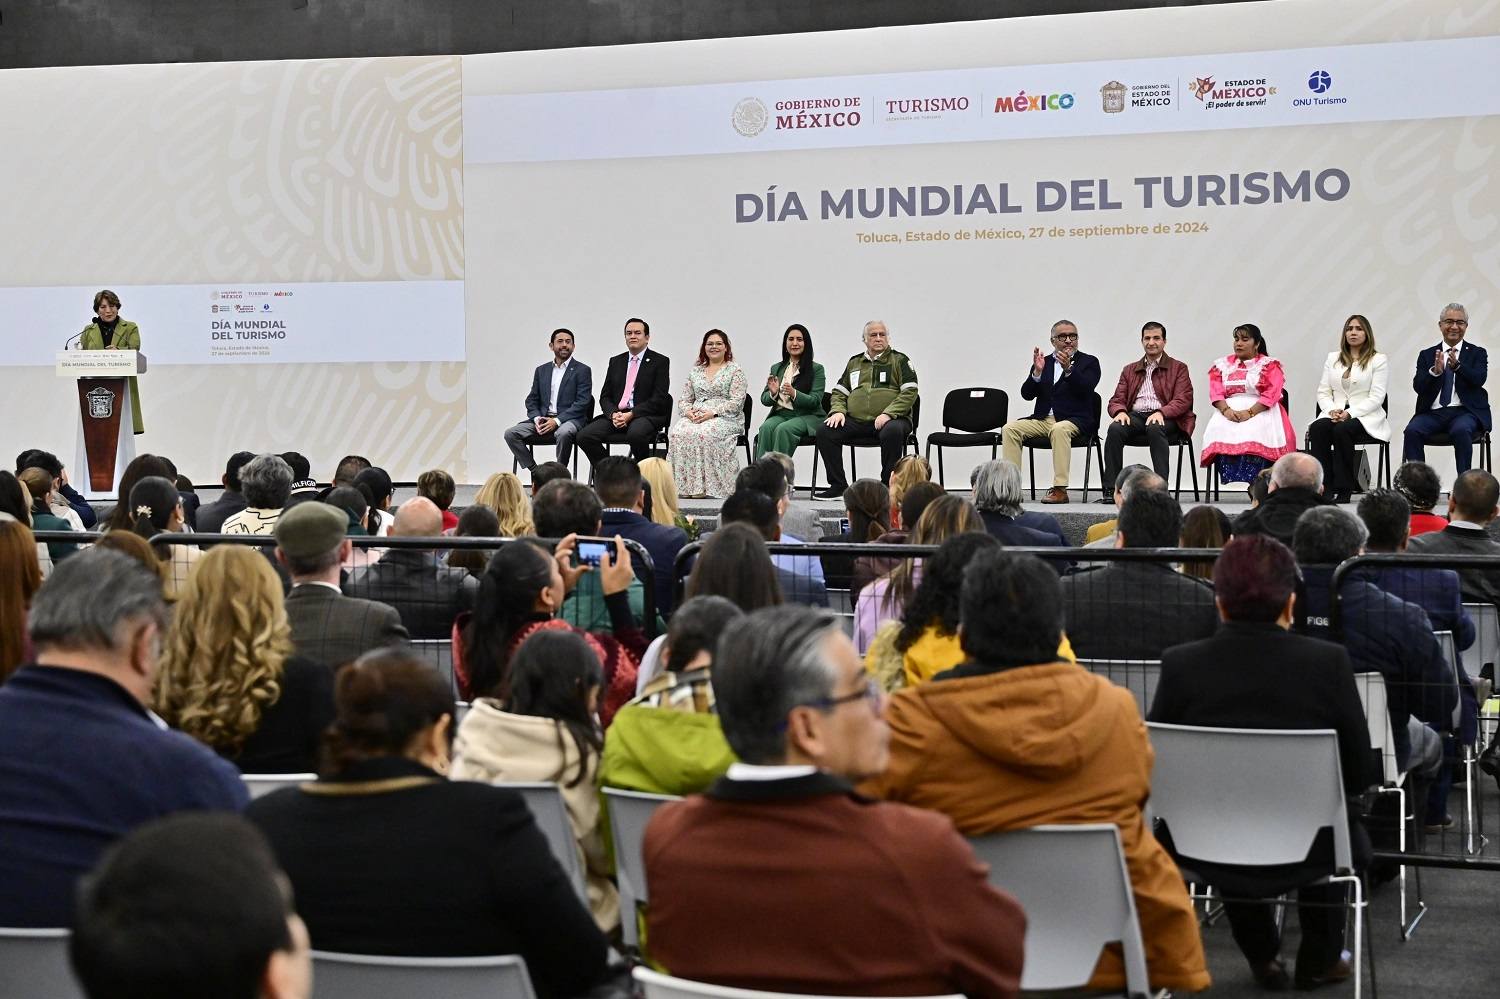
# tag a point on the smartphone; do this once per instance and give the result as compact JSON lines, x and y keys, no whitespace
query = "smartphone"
{"x":590,"y":552}
{"x":843,"y":525}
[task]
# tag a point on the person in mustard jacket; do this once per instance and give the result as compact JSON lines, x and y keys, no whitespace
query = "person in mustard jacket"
{"x":109,"y":332}
{"x":794,"y":392}
{"x":1014,"y":738}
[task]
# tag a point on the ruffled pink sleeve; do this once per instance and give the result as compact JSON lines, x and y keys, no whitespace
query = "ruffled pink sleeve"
{"x":1272,"y":381}
{"x":1215,"y":384}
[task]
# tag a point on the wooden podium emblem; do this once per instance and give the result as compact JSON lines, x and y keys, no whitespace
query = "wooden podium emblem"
{"x":101,"y":403}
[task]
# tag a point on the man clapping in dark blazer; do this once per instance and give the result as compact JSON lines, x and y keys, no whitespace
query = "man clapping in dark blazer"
{"x":636,"y":400}
{"x":1062,"y":383}
{"x":561,"y":398}
{"x":1451,"y":398}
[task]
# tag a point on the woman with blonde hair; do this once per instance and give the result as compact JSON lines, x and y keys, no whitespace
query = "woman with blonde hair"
{"x":503,"y":493}
{"x":658,"y":476}
{"x":228,"y":677}
{"x":1351,"y":406}
{"x":20,"y":578}
{"x":906,"y":473}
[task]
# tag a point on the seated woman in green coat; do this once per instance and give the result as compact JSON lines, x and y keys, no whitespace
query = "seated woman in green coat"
{"x":795,"y":394}
{"x":109,"y":332}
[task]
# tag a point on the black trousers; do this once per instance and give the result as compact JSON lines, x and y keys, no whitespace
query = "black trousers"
{"x":639,"y":433}
{"x":1319,"y":913}
{"x":1334,"y":444}
{"x":831,"y":441}
{"x":1137,"y":433}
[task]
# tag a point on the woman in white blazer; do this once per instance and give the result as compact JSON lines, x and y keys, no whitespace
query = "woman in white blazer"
{"x":1350,"y":406}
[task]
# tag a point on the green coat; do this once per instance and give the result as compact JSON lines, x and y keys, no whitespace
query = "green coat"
{"x":888,"y":384}
{"x":803,"y":403}
{"x":127,"y":337}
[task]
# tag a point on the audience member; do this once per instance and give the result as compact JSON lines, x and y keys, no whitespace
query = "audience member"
{"x":194,"y":907}
{"x":1037,"y":520}
{"x":354,"y":501}
{"x":67,"y":496}
{"x":868,"y":568}
{"x":1102,"y":534}
{"x":523,"y":587}
{"x":438,"y":486}
{"x":133,"y":546}
{"x":1384,"y":634}
{"x":38,"y":483}
{"x":1296,"y":487}
{"x":120,"y":516}
{"x":304,"y":486}
{"x":804,"y":719}
{"x":189,"y":497}
{"x":909,"y":471}
{"x":82,"y":760}
{"x":157,"y":507}
{"x":20,"y":578}
{"x":348,"y":469}
{"x":503,"y":493}
{"x":387,"y":856}
{"x":231,"y":501}
{"x":1203,"y":527}
{"x":618,"y":482}
{"x":15,"y":503}
{"x":997,"y":489}
{"x":885,"y":599}
{"x":381,"y":490}
{"x":427,"y":594}
{"x":228,"y":675}
{"x":1255,"y":673}
{"x":327,"y":626}
{"x":1133,"y":609}
{"x":867,"y":508}
{"x":803,"y":521}
{"x":1014,"y":738}
{"x":564,"y":508}
{"x":1259,"y":488}
{"x":547,"y":730}
{"x":734,"y":565}
{"x":546,"y":472}
{"x":1419,"y":483}
{"x":267,"y":484}
{"x":475,"y":522}
{"x":755,"y":508}
{"x":1472,"y":506}
{"x":768,"y":475}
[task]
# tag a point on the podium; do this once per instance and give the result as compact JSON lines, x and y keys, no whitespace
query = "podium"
{"x":106,"y":442}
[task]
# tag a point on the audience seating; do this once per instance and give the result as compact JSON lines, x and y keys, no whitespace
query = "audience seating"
{"x":551,"y":814}
{"x":35,"y":963}
{"x":1485,"y":651}
{"x":366,"y":976}
{"x":1072,"y":882}
{"x":655,"y":985}
{"x":438,"y":652}
{"x":460,"y":708}
{"x":972,"y":417}
{"x":1468,"y":752}
{"x":629,"y":811}
{"x":1255,"y":798}
{"x":1139,"y":676}
{"x":263,"y":784}
{"x":533,"y":441}
{"x":1091,"y":446}
{"x":1372,"y":694}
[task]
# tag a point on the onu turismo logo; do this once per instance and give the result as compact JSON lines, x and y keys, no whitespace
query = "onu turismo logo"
{"x":1319,"y":82}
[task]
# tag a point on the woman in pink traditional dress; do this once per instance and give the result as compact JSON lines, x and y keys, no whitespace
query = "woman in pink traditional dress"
{"x":1250,"y":428}
{"x":712,"y":405}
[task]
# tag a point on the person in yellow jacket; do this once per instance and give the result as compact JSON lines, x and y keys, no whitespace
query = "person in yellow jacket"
{"x":109,"y":332}
{"x":874,"y":399}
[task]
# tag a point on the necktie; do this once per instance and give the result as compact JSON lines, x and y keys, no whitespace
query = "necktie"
{"x":1447,"y":394}
{"x":627,"y":398}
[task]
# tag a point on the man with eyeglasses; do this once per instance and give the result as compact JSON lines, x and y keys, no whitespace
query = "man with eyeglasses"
{"x":1062,"y":383}
{"x":1451,"y":398}
{"x":782,"y":878}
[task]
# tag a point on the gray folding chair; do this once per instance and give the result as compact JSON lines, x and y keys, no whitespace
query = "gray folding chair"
{"x":1486,"y":648}
{"x":1072,"y":882}
{"x":1474,"y":838}
{"x":1255,"y":798}
{"x":1372,"y":694}
{"x":35,"y":963}
{"x":551,"y":814}
{"x":629,"y":811}
{"x":437,"y":652}
{"x":263,"y":784}
{"x":364,"y":976}
{"x":1139,"y":676}
{"x":655,"y":985}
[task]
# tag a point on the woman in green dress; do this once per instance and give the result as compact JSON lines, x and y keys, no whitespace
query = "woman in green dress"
{"x":794,"y":392}
{"x":109,"y":332}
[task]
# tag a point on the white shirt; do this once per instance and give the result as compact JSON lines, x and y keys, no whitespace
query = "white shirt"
{"x":750,"y":771}
{"x":558,"y":371}
{"x":1437,"y":400}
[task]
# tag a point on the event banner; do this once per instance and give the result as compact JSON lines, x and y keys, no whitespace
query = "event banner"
{"x":1354,"y":83}
{"x":333,"y":322}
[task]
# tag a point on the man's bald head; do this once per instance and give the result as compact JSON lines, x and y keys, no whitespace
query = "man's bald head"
{"x":1297,"y":471}
{"x":418,"y":518}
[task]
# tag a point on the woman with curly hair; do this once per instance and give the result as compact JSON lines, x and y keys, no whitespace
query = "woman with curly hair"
{"x":503,"y":493}
{"x":228,"y":678}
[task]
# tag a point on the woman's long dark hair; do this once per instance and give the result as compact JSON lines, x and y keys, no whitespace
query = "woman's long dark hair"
{"x":935,"y":602}
{"x":151,"y":504}
{"x":869,"y":504}
{"x":804,"y":380}
{"x":1254,"y":331}
{"x":734,"y":565}
{"x":551,"y":675}
{"x":507,"y":596}
{"x":142,"y":466}
{"x":381,"y":700}
{"x":15,"y":498}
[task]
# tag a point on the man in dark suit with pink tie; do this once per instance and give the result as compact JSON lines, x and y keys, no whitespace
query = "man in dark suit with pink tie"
{"x":636,"y":400}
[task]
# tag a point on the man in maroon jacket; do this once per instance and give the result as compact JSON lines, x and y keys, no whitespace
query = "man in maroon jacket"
{"x":782,"y":878}
{"x":1152,"y":405}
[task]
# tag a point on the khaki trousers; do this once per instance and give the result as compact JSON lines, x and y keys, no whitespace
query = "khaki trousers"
{"x":1061,"y":434}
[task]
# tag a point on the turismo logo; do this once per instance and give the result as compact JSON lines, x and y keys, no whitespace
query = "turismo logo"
{"x":1023,"y":101}
{"x":1116,"y":96}
{"x":1320,"y":82}
{"x":1251,"y":92}
{"x":917,"y":108}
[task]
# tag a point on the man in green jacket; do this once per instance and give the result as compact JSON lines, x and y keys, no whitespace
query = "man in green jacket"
{"x":874,"y":399}
{"x":109,"y":332}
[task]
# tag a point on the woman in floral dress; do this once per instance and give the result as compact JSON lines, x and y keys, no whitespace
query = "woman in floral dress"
{"x":712,"y":404}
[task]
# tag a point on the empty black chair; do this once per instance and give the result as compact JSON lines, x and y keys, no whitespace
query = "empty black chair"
{"x":972,"y":417}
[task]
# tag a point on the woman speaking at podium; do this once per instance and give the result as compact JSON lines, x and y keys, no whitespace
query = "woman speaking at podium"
{"x":109,"y":332}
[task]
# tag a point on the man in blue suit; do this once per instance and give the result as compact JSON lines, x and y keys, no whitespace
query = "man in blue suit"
{"x":1451,"y":398}
{"x":559,"y":402}
{"x":621,"y":489}
{"x":1062,"y":383}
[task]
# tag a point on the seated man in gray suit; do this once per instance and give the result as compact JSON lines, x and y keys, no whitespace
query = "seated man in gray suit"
{"x":1471,"y":507}
{"x":559,"y":402}
{"x":427,"y":594}
{"x":326,"y":625}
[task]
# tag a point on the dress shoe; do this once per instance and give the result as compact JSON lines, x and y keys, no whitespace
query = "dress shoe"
{"x":1105,"y":500}
{"x":1339,"y":971}
{"x":1057,"y":494}
{"x":1271,"y":975}
{"x":1443,"y":824}
{"x":1342,"y":497}
{"x":830,"y":492}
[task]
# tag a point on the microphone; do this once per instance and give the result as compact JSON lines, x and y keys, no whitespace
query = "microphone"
{"x":67,"y":344}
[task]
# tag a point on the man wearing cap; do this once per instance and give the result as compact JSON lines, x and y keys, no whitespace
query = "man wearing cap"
{"x":326,"y":625}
